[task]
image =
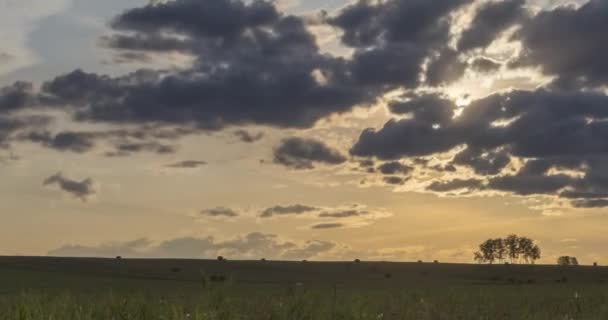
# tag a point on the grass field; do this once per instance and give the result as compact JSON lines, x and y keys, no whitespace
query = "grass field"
{"x":56,"y":288}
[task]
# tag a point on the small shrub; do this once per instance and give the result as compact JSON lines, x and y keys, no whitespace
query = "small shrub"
{"x":436,"y":261}
{"x":263,"y":260}
{"x":220,"y":258}
{"x":419,"y":261}
{"x":175,"y":269}
{"x":388,"y":275}
{"x":357,"y":261}
{"x":118,"y":258}
{"x":595,"y":264}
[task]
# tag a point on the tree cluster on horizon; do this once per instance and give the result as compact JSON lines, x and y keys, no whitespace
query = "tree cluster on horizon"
{"x":513,"y":249}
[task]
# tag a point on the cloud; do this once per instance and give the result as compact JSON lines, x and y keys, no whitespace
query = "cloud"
{"x":220,"y":212}
{"x":187,"y":164}
{"x":456,"y":184}
{"x":247,"y":137}
{"x":558,"y":134}
{"x":296,"y":209}
{"x":301,"y":153}
{"x":590,"y":203}
{"x":323,"y":226}
{"x":16,"y":96}
{"x":394,"y":180}
{"x":78,"y":142}
{"x":124,"y":149}
{"x":492,"y":18}
{"x":394,"y":167}
{"x":485,"y":65}
{"x":347,"y":213}
{"x":79,"y":189}
{"x":568,"y":42}
{"x":393,"y":38}
{"x":251,"y":246}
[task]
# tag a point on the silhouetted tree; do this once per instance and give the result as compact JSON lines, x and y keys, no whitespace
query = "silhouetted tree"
{"x":567,"y":261}
{"x":512,"y":248}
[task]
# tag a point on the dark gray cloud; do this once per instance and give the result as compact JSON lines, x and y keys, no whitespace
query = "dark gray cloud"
{"x":220,"y":212}
{"x":79,"y":189}
{"x":394,"y":167}
{"x":251,"y":246}
{"x":395,"y":180}
{"x":269,"y":58}
{"x":16,"y":96}
{"x":433,"y":108}
{"x":490,"y":20}
{"x":343,"y":213}
{"x":323,"y":226}
{"x":456,"y":184}
{"x":187,"y":164}
{"x":591,"y":203}
{"x":485,"y":65}
{"x":79,"y":142}
{"x":302,"y":153}
{"x":569,"y":43}
{"x":393,"y":38}
{"x":248,"y":137}
{"x":552,"y":129}
{"x":296,"y":209}
{"x":124,"y":149}
{"x":445,"y":67}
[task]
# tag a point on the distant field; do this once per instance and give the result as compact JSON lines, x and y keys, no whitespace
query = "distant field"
{"x":58,"y":288}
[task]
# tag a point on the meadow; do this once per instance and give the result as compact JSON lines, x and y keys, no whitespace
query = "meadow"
{"x":121,"y":289}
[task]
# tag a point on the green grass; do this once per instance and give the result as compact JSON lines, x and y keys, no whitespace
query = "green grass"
{"x":81,"y":289}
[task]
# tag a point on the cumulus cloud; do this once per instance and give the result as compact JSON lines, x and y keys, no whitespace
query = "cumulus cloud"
{"x":489,"y":21}
{"x":568,"y":42}
{"x":187,"y":164}
{"x":301,"y":153}
{"x":296,"y":209}
{"x":552,"y":131}
{"x":220,"y":212}
{"x":323,"y":226}
{"x":79,"y":142}
{"x":79,"y":189}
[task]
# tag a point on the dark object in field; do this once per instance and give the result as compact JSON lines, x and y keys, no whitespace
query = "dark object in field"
{"x":263,"y":260}
{"x":357,"y":261}
{"x":436,"y":261}
{"x":175,"y":269}
{"x":217,"y":278}
{"x":595,"y":264}
{"x":531,"y":281}
{"x":220,"y":258}
{"x":118,"y":258}
{"x":304,"y":261}
{"x":511,"y":280}
{"x":388,"y":275}
{"x":562,"y":280}
{"x":419,"y":261}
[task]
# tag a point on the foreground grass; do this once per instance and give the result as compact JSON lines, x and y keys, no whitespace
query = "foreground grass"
{"x":86,"y":289}
{"x":298,"y":302}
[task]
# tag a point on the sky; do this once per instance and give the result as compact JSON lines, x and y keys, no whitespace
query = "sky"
{"x":324,"y":130}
